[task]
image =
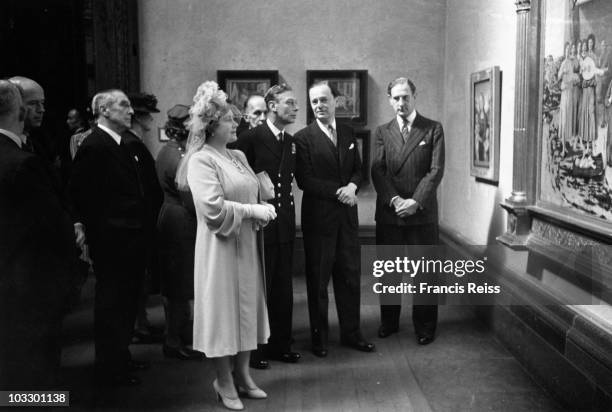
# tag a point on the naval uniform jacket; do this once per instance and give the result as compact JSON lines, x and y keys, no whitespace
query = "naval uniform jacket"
{"x":265,"y":153}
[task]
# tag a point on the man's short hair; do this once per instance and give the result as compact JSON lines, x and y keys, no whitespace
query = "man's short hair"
{"x":10,"y":96}
{"x":103,"y":98}
{"x":335,"y":93}
{"x":401,"y":80}
{"x":275,"y":91}
{"x":247,"y":101}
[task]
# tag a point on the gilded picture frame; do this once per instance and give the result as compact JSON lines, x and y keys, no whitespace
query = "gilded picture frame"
{"x":484,"y":106}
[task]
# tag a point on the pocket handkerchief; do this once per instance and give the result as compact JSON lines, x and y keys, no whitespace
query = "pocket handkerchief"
{"x":351,"y":146}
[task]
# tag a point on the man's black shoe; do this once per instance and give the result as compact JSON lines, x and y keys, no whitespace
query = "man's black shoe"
{"x":425,"y":339}
{"x":182,"y":353}
{"x":319,"y":351}
{"x":259,"y":364}
{"x":384,"y":331}
{"x":287,"y":357}
{"x":358,"y":343}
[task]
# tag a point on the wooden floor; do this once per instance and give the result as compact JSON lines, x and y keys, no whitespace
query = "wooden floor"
{"x":465,"y":369}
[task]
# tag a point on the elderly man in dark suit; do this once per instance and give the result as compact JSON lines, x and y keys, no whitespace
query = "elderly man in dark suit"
{"x":255,"y":112}
{"x":40,"y":144}
{"x":329,"y":173}
{"x":270,"y":149}
{"x":407,"y":168}
{"x":37,"y":257}
{"x":113,"y":195}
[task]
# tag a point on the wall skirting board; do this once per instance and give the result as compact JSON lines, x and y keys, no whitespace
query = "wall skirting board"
{"x":564,"y":348}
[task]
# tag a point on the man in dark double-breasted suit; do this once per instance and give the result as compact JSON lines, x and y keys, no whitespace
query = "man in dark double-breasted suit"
{"x":269,"y":148}
{"x":118,"y":201}
{"x":37,"y":257}
{"x":407,"y":168}
{"x":329,"y":173}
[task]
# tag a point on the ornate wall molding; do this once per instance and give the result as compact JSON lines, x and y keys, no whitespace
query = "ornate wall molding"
{"x":572,"y":241}
{"x":522,"y":5}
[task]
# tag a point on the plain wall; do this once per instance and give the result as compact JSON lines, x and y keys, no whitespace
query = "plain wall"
{"x":479,"y":34}
{"x":185,"y":42}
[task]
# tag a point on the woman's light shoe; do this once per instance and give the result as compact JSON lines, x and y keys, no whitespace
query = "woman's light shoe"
{"x":234,"y":404}
{"x":253,"y":393}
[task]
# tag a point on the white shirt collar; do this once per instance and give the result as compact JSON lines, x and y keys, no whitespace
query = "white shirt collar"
{"x":326,"y":128}
{"x":12,"y":136}
{"x":275,"y":130}
{"x":116,"y":137}
{"x":411,"y":118}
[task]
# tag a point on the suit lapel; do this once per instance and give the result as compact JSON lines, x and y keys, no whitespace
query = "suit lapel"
{"x":343,"y":144}
{"x":8,"y":140}
{"x":269,"y":141}
{"x":414,"y":138}
{"x":321,"y":140}
{"x":395,"y":135}
{"x":117,"y":152}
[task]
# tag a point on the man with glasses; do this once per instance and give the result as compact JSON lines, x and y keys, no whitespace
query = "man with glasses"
{"x":270,"y":149}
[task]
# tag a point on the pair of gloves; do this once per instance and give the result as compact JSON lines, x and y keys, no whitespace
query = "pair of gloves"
{"x":261,"y":213}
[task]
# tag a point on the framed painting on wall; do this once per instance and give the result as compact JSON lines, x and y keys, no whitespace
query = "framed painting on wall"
{"x":240,"y":84}
{"x":352,"y":88}
{"x":575,"y":173}
{"x":484,"y":106}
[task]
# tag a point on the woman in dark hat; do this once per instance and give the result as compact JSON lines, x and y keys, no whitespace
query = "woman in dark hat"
{"x":177,"y":227}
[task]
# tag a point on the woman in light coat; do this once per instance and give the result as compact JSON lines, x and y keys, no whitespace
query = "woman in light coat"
{"x":230,"y":316}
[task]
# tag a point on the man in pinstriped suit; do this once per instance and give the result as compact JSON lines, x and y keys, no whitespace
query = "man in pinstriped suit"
{"x":407,"y":168}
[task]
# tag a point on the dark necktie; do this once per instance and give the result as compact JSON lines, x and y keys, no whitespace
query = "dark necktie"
{"x":334,"y":136}
{"x":281,"y":136}
{"x":405,"y":129}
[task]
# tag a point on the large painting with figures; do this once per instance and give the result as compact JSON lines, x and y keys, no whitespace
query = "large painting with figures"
{"x":576,"y":114}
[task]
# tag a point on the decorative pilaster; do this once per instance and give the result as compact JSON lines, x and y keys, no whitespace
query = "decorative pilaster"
{"x":115,"y":26}
{"x":525,"y":134}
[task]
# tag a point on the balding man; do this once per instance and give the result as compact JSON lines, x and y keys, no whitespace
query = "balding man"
{"x":329,"y":172}
{"x":35,"y":142}
{"x":37,"y":259}
{"x":34,"y":102}
{"x":255,"y":112}
{"x":115,"y":202}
